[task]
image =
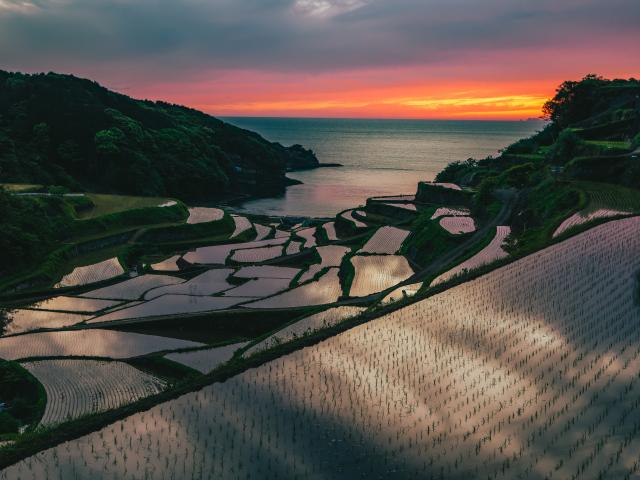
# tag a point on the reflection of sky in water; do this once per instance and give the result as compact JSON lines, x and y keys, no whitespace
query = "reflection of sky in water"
{"x":500,"y":377}
{"x":380,"y":157}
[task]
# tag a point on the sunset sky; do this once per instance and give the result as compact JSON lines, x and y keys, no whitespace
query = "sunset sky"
{"x":466,"y":59}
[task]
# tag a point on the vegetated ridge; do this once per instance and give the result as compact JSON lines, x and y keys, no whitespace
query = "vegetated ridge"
{"x":62,"y":130}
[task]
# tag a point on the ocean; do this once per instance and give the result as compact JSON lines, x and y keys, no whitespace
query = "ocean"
{"x":380,"y":157}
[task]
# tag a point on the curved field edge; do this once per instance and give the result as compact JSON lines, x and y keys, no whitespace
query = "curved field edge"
{"x":40,"y":439}
{"x":36,"y":398}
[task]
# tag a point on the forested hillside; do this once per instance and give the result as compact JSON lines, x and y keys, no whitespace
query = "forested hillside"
{"x":593,"y":135}
{"x":62,"y":130}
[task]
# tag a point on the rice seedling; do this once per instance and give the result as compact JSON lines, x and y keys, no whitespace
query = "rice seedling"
{"x":204,"y":215}
{"x":259,"y":287}
{"x":530,"y":371}
{"x":85,"y":343}
{"x":385,"y":240}
{"x":256,"y":255}
{"x":487,"y":255}
{"x":402,"y":292}
{"x":330,"y":229}
{"x":208,"y":283}
{"x":133,"y":288}
{"x":79,"y":387}
{"x":208,"y":359}
{"x":168,"y":265}
{"x":170,"y":304}
{"x":374,"y":273}
{"x":217,"y":254}
{"x":305,"y":326}
{"x":348,"y":215}
{"x":74,"y":304}
{"x":309,"y":235}
{"x":330,"y":256}
{"x":458,"y":225}
{"x":242,"y":224}
{"x":323,"y":291}
{"x":88,"y":274}
{"x":267,"y":271}
{"x":450,"y":212}
{"x":24,"y":320}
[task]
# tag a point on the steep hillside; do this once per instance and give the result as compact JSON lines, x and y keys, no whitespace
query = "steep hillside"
{"x":59,"y":129}
{"x":593,"y":135}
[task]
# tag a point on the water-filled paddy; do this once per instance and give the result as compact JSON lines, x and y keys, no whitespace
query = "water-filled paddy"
{"x":206,"y":360}
{"x":374,"y":273}
{"x":79,"y":387}
{"x":325,"y":290}
{"x":87,"y":343}
{"x":500,"y":374}
{"x":93,"y":273}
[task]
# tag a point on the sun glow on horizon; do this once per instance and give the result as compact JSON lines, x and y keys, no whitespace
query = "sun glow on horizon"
{"x":463,"y":105}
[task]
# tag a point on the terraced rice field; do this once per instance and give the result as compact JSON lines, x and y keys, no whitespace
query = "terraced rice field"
{"x":267,"y":271}
{"x":323,"y":291}
{"x":262,"y":231}
{"x":134,"y":288}
{"x":257,"y":255}
{"x":530,"y":371}
{"x":307,"y":325}
{"x":452,"y":186}
{"x":74,"y":304}
{"x":168,"y":265}
{"x":242,"y":224}
{"x":293,"y":247}
{"x":206,"y":360}
{"x":385,"y":240}
{"x":348,"y":215}
{"x":489,"y":254}
{"x":405,"y":206}
{"x":402,"y":292}
{"x":374,"y":273}
{"x":259,"y":287}
{"x":88,"y":274}
{"x":458,"y":225}
{"x":585,"y":216}
{"x":604,"y":201}
{"x":330,"y":229}
{"x":87,"y":343}
{"x":208,"y":283}
{"x":171,"y":305}
{"x":204,"y":215}
{"x":79,"y":387}
{"x":23,"y":320}
{"x":330,"y":256}
{"x":450,"y":212}
{"x":217,"y":254}
{"x":309,"y":235}
{"x":396,"y":198}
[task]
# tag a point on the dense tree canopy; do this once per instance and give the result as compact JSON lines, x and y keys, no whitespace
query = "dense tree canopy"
{"x":58,"y":129}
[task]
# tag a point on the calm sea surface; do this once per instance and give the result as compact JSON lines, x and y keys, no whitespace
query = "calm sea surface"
{"x":380,"y":157}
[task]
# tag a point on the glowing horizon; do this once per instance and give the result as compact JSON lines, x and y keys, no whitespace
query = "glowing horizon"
{"x":432,"y":59}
